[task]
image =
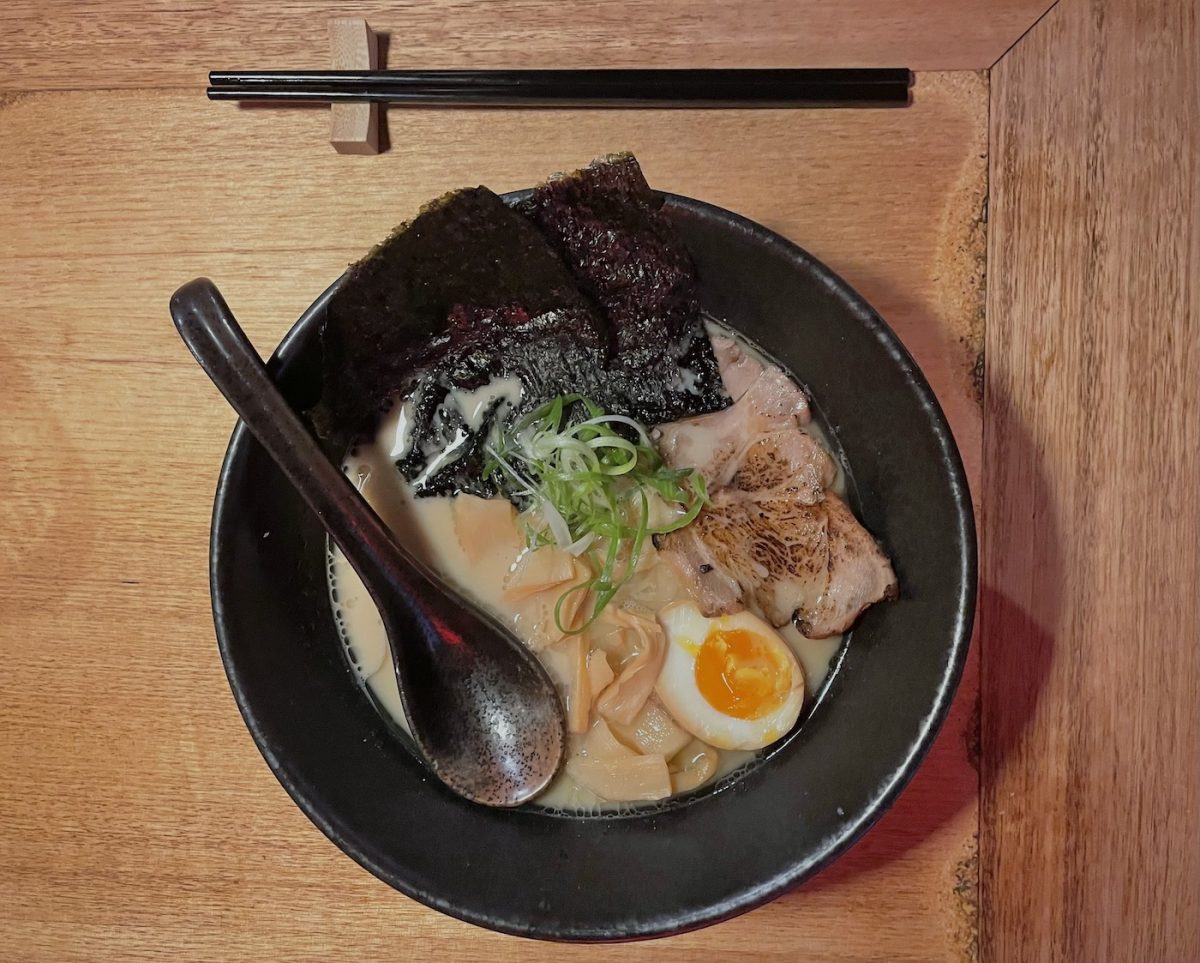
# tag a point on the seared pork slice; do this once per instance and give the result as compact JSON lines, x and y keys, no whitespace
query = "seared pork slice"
{"x":859,"y":575}
{"x":714,"y":444}
{"x":777,"y":399}
{"x":775,"y":551}
{"x":771,"y":392}
{"x":699,"y":562}
{"x":808,"y":563}
{"x":708,"y":443}
{"x":781,"y":463}
{"x":738,"y":367}
{"x":772,"y":535}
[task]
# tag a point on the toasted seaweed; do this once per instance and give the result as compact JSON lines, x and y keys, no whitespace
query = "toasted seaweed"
{"x":391,"y":318}
{"x":608,"y":227}
{"x":586,"y":289}
{"x":553,"y":353}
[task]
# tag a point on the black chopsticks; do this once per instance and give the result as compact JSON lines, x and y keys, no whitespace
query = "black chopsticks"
{"x":784,"y":87}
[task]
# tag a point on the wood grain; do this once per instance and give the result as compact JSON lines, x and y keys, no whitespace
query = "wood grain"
{"x":1091,"y":613}
{"x":137,"y":819}
{"x":59,"y":44}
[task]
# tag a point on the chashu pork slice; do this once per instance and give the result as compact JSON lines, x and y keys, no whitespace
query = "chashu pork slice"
{"x":812,"y":564}
{"x":789,"y":462}
{"x":767,"y":403}
{"x":772,"y":535}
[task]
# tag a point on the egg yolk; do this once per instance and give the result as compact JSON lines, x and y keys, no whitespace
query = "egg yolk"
{"x":741,"y":674}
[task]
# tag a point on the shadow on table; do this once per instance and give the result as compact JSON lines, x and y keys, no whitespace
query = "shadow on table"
{"x":1020,"y":559}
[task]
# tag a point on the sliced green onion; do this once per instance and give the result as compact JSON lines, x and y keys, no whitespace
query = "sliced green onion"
{"x":590,"y":475}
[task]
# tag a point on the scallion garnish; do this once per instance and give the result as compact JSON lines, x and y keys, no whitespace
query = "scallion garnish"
{"x":591,"y":476}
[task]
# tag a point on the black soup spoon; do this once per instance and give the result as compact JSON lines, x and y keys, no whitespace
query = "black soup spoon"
{"x":480,"y":705}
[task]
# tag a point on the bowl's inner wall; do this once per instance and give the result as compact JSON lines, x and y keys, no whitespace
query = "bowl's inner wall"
{"x":606,"y":878}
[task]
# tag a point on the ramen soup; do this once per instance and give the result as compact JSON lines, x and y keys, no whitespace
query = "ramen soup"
{"x":670,"y":685}
{"x":534,"y":402}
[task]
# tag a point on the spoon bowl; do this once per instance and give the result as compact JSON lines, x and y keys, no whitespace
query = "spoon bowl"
{"x":480,"y":706}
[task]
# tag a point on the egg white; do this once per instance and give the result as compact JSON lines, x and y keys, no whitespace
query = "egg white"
{"x":686,"y":629}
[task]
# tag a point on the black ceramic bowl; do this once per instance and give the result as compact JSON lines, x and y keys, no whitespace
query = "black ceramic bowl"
{"x":717,"y":852}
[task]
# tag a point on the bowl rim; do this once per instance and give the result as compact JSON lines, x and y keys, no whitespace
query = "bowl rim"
{"x":957,"y":645}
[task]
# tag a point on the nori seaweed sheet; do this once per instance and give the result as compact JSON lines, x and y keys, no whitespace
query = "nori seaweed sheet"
{"x":472,"y":289}
{"x":552,"y":353}
{"x":608,"y":227}
{"x":391,"y":318}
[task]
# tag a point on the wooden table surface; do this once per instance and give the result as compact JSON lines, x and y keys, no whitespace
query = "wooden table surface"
{"x":137,"y":819}
{"x":1091,"y":561}
{"x":142,"y":817}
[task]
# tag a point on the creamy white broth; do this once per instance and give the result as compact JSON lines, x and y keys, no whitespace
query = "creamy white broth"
{"x":426,"y":526}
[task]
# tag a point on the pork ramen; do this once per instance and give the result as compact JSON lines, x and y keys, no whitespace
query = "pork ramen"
{"x":541,"y":412}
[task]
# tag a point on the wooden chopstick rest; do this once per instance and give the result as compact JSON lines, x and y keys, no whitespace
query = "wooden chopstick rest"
{"x":354,"y":128}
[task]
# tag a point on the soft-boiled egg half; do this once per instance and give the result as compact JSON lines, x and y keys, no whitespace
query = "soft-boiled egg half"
{"x":730,"y":681}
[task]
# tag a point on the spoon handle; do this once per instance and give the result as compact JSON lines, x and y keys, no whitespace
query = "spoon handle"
{"x":218,"y":343}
